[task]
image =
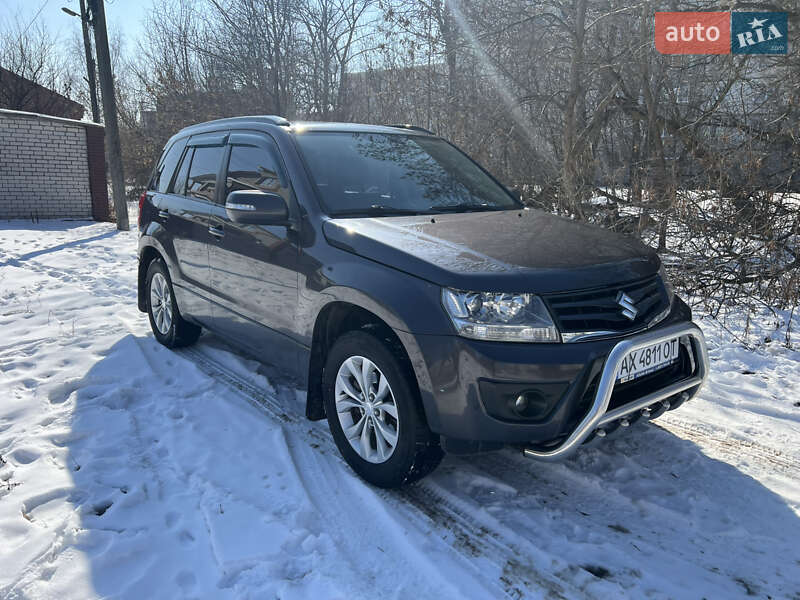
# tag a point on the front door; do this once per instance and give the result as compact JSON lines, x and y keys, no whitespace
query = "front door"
{"x":254,"y":267}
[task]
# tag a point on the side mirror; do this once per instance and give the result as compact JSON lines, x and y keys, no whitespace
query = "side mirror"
{"x":254,"y":207}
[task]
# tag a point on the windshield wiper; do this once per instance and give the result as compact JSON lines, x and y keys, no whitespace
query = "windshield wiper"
{"x":466,"y":207}
{"x":376,"y":210}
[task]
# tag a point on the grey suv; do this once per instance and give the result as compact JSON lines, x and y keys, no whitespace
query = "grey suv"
{"x":422,"y":306}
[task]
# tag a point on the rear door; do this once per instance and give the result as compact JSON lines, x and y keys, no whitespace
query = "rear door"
{"x":254,"y":267}
{"x":185,"y":212}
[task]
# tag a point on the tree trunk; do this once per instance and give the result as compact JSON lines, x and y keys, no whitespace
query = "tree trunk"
{"x":572,"y":170}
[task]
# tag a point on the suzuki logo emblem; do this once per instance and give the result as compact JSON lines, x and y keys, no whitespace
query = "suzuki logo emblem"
{"x":629,"y":309}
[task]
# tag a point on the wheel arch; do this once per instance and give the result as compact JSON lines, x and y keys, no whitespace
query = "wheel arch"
{"x":334,"y":320}
{"x":147,"y":254}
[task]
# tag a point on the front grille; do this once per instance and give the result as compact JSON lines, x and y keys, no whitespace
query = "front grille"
{"x":598,"y":309}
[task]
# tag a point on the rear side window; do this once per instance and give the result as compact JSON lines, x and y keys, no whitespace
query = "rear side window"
{"x":179,"y":184}
{"x":202,"y":180}
{"x":166,"y":167}
{"x":252,"y":168}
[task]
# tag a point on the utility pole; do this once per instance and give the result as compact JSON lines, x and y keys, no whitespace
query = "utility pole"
{"x":87,"y":45}
{"x":110,"y":113}
{"x":91,"y":78}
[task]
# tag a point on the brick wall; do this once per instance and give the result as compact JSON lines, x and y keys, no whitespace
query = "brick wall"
{"x":45,"y":168}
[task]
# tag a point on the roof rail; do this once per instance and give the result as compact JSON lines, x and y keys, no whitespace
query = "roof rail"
{"x":412,"y":127}
{"x":271,"y":119}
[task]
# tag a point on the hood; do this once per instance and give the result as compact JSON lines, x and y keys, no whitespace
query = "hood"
{"x":504,"y":251}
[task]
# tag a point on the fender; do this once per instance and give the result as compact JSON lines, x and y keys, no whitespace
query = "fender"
{"x":407,"y":304}
{"x":403,"y":301}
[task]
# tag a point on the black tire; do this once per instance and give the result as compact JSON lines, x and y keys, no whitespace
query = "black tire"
{"x":417,"y":452}
{"x":180,"y":332}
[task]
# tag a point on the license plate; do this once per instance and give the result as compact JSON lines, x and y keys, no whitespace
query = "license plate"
{"x":648,"y":359}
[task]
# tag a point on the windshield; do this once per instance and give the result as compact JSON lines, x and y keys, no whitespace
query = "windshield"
{"x":376,"y":173}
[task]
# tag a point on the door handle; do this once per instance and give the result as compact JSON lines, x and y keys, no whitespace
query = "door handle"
{"x":216,"y":232}
{"x":163,"y":214}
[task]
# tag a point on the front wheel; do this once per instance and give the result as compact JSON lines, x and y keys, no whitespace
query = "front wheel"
{"x":375,"y":415}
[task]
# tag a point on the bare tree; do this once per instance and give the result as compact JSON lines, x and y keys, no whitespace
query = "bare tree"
{"x":254,"y":46}
{"x":332,"y":32}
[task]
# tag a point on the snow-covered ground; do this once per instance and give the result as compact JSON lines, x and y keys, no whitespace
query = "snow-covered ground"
{"x":131,"y":471}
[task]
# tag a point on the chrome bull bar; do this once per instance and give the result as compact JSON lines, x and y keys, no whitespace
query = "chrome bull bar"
{"x":599,"y":414}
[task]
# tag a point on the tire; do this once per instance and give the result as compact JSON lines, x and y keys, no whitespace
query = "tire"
{"x":416,"y":451}
{"x":169,"y":328}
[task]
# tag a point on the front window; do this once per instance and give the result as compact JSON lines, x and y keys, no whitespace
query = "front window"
{"x":375,"y":173}
{"x":202,"y":181}
{"x":253,"y":168}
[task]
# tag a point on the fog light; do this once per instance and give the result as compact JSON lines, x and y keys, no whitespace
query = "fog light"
{"x":530,"y":404}
{"x":517,"y":401}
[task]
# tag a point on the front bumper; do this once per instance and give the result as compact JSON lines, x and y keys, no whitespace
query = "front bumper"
{"x":462,"y":379}
{"x":599,"y":413}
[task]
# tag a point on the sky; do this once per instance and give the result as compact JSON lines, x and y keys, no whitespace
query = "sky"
{"x":123,"y":16}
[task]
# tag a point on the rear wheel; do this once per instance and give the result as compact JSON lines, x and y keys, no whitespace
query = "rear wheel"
{"x":168,"y":326}
{"x":374,"y":413}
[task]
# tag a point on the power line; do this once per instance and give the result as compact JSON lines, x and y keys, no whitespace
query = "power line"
{"x":36,"y":16}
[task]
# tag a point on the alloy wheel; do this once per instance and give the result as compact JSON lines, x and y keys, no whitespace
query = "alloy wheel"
{"x":161,"y":303}
{"x":367,"y":409}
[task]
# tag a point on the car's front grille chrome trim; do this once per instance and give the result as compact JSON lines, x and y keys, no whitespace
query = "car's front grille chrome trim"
{"x":584,"y":336}
{"x":621,"y":309}
{"x":599,"y":415}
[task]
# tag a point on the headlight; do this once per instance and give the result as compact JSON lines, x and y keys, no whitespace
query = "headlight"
{"x":500,"y":317}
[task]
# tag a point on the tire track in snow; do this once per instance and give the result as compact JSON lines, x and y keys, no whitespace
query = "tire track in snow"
{"x":358,"y":511}
{"x":653,"y":524}
{"x":423,"y":504}
{"x":474,"y":534}
{"x":730,"y":447}
{"x":473,"y":540}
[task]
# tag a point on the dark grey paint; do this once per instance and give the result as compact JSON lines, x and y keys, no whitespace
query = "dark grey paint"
{"x":517,"y":250}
